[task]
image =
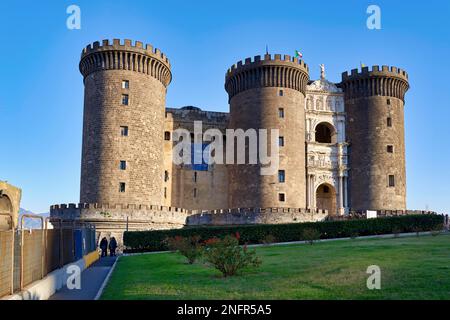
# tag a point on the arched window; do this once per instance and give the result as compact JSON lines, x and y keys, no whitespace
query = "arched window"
{"x":325,"y":133}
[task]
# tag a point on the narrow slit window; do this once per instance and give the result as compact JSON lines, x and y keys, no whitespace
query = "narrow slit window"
{"x":281,"y":176}
{"x":167,"y":135}
{"x":391,"y":180}
{"x":124,"y":131}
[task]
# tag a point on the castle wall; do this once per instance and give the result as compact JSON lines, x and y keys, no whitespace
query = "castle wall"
{"x":371,"y":97}
{"x":104,"y":69}
{"x":189,"y":188}
{"x":257,"y":90}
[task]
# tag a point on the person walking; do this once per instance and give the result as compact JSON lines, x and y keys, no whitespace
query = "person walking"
{"x":112,"y":247}
{"x":104,"y":247}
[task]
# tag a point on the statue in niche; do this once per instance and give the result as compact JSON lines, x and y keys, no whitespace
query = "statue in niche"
{"x":319,"y":104}
{"x":309,"y":103}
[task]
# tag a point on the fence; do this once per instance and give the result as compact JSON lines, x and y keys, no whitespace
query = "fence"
{"x":29,"y":255}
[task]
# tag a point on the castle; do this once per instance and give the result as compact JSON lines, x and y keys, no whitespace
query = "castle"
{"x":341,"y":145}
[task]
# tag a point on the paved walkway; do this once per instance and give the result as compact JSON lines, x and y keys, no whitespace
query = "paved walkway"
{"x":91,"y":280}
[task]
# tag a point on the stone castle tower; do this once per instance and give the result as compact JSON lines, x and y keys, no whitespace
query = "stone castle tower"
{"x":374,"y":102}
{"x":267,"y":94}
{"x":124,"y":110}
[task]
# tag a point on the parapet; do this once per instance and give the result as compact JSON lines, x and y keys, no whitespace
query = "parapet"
{"x":384,"y":81}
{"x":384,"y":71}
{"x":277,"y":71}
{"x":126,"y":56}
{"x":267,"y":59}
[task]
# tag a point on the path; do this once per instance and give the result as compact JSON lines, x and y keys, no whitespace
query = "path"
{"x":91,"y":280}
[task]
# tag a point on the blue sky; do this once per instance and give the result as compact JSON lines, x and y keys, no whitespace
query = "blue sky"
{"x":41,"y":89}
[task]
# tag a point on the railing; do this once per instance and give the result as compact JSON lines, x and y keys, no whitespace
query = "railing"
{"x":28,"y":255}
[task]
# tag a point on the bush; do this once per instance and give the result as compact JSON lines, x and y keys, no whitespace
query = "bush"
{"x":227,"y":256}
{"x":268,"y":239}
{"x":190,"y":247}
{"x":140,"y":241}
{"x":310,"y":235}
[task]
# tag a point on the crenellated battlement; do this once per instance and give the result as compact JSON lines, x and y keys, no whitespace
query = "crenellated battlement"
{"x":379,"y":81}
{"x":125,"y":55}
{"x":268,"y":59}
{"x":376,"y":71}
{"x":268,"y":71}
{"x":125,"y":45}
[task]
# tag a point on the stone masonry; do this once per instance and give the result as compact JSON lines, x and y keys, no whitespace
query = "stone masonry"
{"x":341,"y":145}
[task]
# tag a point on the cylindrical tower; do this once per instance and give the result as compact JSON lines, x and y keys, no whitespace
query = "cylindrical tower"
{"x":269,"y":93}
{"x":374,"y":102}
{"x":124,"y":102}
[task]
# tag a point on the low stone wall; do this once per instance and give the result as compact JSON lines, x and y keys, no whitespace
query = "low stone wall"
{"x":256,"y":216}
{"x":114,"y":220}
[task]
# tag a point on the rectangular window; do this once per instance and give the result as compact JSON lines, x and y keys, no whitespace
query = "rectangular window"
{"x":281,"y":141}
{"x":281,"y":113}
{"x":389,"y":121}
{"x":124,"y":131}
{"x":123,"y":165}
{"x":122,"y":187}
{"x":388,"y":102}
{"x":125,"y":99}
{"x":280,"y":93}
{"x":391,"y":180}
{"x":390,"y":148}
{"x":125,"y":84}
{"x":167,"y":135}
{"x":281,"y":176}
{"x":281,"y":197}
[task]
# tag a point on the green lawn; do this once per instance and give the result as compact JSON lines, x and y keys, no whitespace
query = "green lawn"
{"x":411,"y":268}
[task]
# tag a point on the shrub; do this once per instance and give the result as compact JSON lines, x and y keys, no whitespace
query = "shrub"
{"x":354,"y":235}
{"x":227,"y":256}
{"x":310,"y":235}
{"x":396,"y":232}
{"x":139,"y":241}
{"x":189,"y":247}
{"x":268,"y":239}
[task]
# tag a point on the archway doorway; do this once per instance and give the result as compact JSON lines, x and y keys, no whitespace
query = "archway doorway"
{"x":325,"y":133}
{"x":326,"y":198}
{"x":5,"y":208}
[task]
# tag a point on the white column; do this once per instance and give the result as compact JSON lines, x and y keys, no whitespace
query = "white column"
{"x":341,"y":194}
{"x":346,"y":192}
{"x":308,"y":192}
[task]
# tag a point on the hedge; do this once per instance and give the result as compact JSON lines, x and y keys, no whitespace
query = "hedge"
{"x":142,"y":241}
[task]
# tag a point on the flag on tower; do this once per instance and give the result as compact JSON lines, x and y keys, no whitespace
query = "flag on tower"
{"x":298,"y":54}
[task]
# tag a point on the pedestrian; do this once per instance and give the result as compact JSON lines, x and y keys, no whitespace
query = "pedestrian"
{"x":112,"y":247}
{"x":104,"y":247}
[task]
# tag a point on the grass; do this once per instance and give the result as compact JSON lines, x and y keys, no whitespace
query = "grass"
{"x":411,"y":268}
